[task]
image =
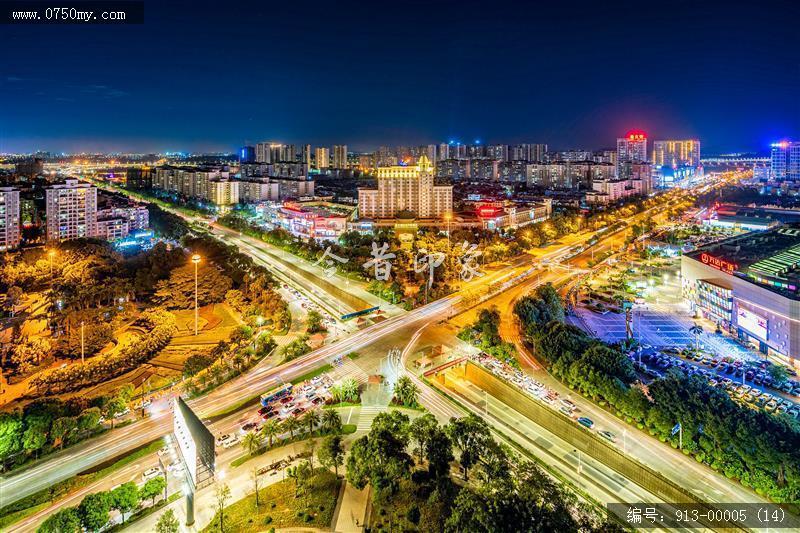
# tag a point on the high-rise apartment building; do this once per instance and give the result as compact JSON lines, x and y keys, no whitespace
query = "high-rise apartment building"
{"x":340,"y":156}
{"x":71,"y":209}
{"x":528,"y":152}
{"x":405,"y":188}
{"x":676,"y":153}
{"x":247,"y":154}
{"x":785,"y":161}
{"x":632,"y":147}
{"x":305,"y":158}
{"x":322,"y":158}
{"x":9,"y":218}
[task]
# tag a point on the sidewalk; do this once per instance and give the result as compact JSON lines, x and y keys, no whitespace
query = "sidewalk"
{"x":352,"y":510}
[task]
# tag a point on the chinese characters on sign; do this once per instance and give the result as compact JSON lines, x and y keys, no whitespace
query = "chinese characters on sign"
{"x":424,"y":261}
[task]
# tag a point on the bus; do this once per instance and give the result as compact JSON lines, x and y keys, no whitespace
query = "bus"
{"x":276,"y":394}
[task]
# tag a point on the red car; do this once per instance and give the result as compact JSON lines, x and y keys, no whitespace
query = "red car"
{"x":299,"y":411}
{"x":287,"y":399}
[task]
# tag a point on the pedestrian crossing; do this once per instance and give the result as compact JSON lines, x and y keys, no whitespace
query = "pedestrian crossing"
{"x":350,"y":370}
{"x":368,"y":414}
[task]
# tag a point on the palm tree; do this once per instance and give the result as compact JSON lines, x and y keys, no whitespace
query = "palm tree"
{"x":270,"y":430}
{"x":696,"y":330}
{"x":350,"y":390}
{"x":252,"y":442}
{"x":291,"y":425}
{"x":331,"y":421}
{"x":337,"y":393}
{"x":312,"y":419}
{"x":406,"y":391}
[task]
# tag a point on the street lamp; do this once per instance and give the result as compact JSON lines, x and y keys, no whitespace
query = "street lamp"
{"x":50,"y":255}
{"x":82,"y":344}
{"x":195,"y":260}
{"x":448,"y":216}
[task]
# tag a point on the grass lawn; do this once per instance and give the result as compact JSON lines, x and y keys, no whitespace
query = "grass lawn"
{"x":38,"y":500}
{"x":279,"y":508}
{"x":312,"y":374}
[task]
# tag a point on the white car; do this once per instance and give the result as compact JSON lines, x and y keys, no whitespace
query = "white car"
{"x":122,"y":413}
{"x":163,"y":451}
{"x":223,"y":438}
{"x":233,"y":441}
{"x":151,"y":473}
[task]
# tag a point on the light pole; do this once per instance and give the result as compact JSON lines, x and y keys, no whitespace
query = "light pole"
{"x":82,"y":344}
{"x":448,"y":217}
{"x":50,"y":255}
{"x":195,"y":260}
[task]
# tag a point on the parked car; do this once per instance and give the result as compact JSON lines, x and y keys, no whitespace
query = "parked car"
{"x":587,"y":422}
{"x":150,"y":473}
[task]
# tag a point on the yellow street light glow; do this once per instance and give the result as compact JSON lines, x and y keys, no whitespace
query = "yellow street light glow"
{"x":195,"y":258}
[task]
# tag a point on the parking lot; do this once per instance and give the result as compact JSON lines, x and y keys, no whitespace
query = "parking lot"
{"x":746,"y":382}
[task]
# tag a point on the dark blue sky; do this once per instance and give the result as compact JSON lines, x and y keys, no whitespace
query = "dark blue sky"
{"x":211,"y":75}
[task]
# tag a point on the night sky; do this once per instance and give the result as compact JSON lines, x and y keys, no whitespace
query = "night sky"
{"x":213,"y":75}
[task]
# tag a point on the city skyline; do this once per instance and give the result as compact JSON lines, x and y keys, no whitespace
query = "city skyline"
{"x":418,"y":82}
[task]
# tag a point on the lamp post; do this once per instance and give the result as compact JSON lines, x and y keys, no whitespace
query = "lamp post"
{"x":448,"y":217}
{"x":82,"y":344}
{"x":195,"y":260}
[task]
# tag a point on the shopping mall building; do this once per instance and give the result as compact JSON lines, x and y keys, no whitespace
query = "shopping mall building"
{"x":750,"y":285}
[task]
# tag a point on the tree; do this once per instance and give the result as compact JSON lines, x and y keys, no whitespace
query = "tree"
{"x":540,"y":308}
{"x":312,"y":418}
{"x":222,"y":493}
{"x":61,"y":429}
{"x":406,"y":392}
{"x":420,"y":431}
{"x":470,"y":435}
{"x":125,"y":498}
{"x":35,"y":435}
{"x":438,"y":452}
{"x":11,"y":431}
{"x":696,"y":330}
{"x":255,"y":479}
{"x":778,"y":373}
{"x":252,"y":442}
{"x":291,"y":425}
{"x":380,"y":457}
{"x":177,"y":292}
{"x":168,"y":522}
{"x":93,"y":510}
{"x":331,"y":421}
{"x":115,"y":406}
{"x":331,"y":453}
{"x":314,"y":322}
{"x":14,"y":296}
{"x":350,"y":392}
{"x":64,"y":521}
{"x":153,"y":488}
{"x":88,"y":419}
{"x":270,"y":430}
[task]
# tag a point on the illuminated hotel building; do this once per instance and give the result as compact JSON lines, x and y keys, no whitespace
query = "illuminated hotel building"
{"x":750,"y":285}
{"x":676,"y":153}
{"x":785,"y":161}
{"x":9,"y":218}
{"x":71,"y":210}
{"x":405,"y":188}
{"x":632,"y":147}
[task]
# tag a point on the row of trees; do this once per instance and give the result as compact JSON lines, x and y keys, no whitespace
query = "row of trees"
{"x":93,"y":513}
{"x":160,"y":326}
{"x":760,"y":449}
{"x":48,"y":424}
{"x":507,"y":495}
{"x":327,"y":420}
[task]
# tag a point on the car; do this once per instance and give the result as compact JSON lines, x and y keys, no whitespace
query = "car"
{"x":317,"y":401}
{"x":233,"y":441}
{"x":264,"y":410}
{"x":122,"y":413}
{"x":286,"y":399}
{"x":609,"y":436}
{"x":568,"y":404}
{"x":175,"y":466}
{"x":298,"y":411}
{"x":163,"y":451}
{"x":586,"y":422}
{"x":566,"y":410}
{"x":223,"y":438}
{"x":151,"y":473}
{"x":248,"y":427}
{"x":268,"y":415}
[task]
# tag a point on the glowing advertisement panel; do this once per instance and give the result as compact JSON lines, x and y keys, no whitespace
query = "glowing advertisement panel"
{"x":753,"y":323}
{"x":195,"y":442}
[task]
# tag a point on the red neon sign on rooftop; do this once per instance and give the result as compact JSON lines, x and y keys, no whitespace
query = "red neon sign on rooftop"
{"x":636,"y":135}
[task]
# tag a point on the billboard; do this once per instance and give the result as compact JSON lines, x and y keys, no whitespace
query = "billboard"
{"x":195,"y":443}
{"x":753,"y":323}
